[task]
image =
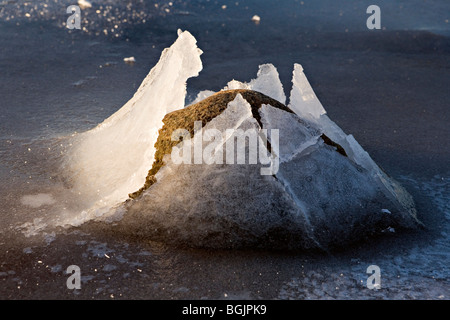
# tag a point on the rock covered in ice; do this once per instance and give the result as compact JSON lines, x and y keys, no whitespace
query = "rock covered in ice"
{"x":303,"y":100}
{"x":204,"y":111}
{"x":318,"y":197}
{"x":296,"y":180}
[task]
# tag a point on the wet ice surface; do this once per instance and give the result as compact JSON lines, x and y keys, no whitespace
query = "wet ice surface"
{"x":376,"y":86}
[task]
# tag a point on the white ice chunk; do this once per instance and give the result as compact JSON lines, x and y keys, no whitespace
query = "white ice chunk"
{"x":236,"y":85}
{"x":112,"y":160}
{"x":267,"y":82}
{"x":303,"y":100}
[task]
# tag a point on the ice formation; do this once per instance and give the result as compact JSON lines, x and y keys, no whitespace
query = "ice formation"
{"x":326,"y":191}
{"x":112,"y":160}
{"x":267,"y":81}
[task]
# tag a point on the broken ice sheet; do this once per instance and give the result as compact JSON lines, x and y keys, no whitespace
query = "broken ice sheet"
{"x":267,"y":82}
{"x":108,"y":162}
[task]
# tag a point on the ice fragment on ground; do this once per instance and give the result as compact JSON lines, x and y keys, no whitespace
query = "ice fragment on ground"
{"x":256,"y":19}
{"x":303,"y":100}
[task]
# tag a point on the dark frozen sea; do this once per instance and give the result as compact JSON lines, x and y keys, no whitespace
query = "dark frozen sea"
{"x":388,"y":87}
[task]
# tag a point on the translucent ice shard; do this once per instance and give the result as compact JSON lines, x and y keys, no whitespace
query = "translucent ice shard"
{"x":112,"y":160}
{"x":303,"y":100}
{"x":267,"y":82}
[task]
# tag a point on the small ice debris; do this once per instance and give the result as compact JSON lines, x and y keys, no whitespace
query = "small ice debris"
{"x":84,"y":4}
{"x":256,"y":19}
{"x":385,"y":211}
{"x":224,"y":7}
{"x":78,"y":83}
{"x":129,"y":60}
{"x":303,"y":100}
